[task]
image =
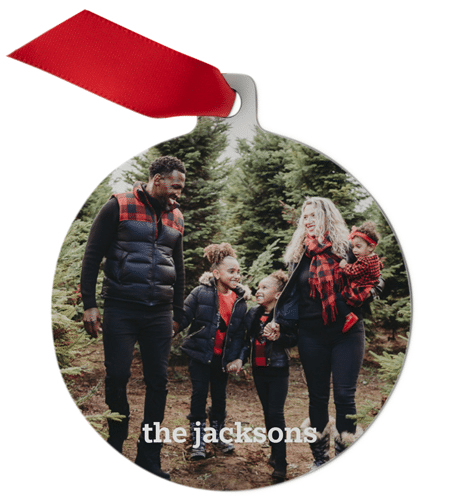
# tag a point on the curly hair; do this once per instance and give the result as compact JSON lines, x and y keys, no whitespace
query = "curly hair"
{"x":165,"y":165}
{"x":280,"y":278}
{"x":369,"y":228}
{"x":328,"y":222}
{"x":216,"y":253}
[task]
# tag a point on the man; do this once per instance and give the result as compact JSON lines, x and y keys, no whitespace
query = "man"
{"x":140,"y":234}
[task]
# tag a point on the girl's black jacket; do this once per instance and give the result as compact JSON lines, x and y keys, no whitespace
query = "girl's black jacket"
{"x":277,"y":354}
{"x":201,"y":310}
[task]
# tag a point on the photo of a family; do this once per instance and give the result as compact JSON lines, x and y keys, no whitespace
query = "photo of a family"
{"x":230,"y":313}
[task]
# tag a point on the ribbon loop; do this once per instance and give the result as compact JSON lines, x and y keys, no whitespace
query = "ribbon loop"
{"x":128,"y":69}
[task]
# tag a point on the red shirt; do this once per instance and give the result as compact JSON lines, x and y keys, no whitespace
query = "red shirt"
{"x":226,"y":304}
{"x":259,"y":352}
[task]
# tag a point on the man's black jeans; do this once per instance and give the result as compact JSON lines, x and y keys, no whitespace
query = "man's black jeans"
{"x":326,"y":351}
{"x":202,"y":375}
{"x":152,"y":328}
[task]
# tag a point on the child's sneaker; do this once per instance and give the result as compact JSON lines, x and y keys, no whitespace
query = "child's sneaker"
{"x":350,"y":321}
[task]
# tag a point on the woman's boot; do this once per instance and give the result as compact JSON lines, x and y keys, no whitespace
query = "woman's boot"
{"x":280,"y":468}
{"x":197,"y":432}
{"x":345,"y":439}
{"x":320,"y":447}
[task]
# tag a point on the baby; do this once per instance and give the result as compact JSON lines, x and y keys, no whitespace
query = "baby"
{"x":363,"y":274}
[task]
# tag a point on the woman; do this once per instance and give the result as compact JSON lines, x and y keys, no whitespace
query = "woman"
{"x":313,"y":255}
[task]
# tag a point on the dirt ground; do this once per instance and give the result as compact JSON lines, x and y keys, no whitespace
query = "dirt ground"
{"x":246,"y":467}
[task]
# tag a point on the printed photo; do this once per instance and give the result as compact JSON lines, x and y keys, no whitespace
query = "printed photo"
{"x":230,"y":309}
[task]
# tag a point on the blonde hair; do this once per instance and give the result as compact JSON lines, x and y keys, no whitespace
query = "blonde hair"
{"x":328,"y":222}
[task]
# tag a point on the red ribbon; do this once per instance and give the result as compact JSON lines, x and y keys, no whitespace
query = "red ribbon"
{"x":128,"y":69}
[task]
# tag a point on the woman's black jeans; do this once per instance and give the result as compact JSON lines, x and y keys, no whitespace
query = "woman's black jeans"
{"x":152,"y":328}
{"x":272,"y":392}
{"x":202,"y":375}
{"x":325,"y":352}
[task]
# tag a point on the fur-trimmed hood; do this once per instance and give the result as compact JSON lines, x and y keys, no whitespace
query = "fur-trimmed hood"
{"x":208,"y":279}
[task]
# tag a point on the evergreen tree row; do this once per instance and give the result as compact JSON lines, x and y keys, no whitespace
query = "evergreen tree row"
{"x":253,"y":203}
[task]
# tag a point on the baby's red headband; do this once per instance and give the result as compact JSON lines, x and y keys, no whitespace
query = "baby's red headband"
{"x":355,"y":232}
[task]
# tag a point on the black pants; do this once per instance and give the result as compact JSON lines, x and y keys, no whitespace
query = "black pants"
{"x":202,"y":376}
{"x":152,"y":328}
{"x":272,"y":392}
{"x":342,"y":307}
{"x":325,"y":352}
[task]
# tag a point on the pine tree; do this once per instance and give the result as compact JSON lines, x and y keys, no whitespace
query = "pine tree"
{"x":310,"y":173}
{"x":269,"y":185}
{"x":254,"y":192}
{"x":393,"y":310}
{"x":67,"y":309}
{"x":96,"y":201}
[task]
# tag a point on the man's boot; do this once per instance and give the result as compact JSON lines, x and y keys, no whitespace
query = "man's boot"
{"x":118,"y":432}
{"x":197,"y":432}
{"x":148,"y":457}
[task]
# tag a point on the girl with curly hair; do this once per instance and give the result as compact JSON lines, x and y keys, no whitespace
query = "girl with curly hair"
{"x":267,"y":346}
{"x":318,"y":245}
{"x":215,"y":310}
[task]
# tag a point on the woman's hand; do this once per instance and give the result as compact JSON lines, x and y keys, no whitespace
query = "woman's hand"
{"x":234,"y":366}
{"x":272,"y":331}
{"x":343,"y":263}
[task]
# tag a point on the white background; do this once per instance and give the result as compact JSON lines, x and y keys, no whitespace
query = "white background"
{"x":377,"y":86}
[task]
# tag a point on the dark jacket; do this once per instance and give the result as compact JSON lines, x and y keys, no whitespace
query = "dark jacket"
{"x":201,"y":310}
{"x":277,"y":354}
{"x":140,"y":266}
{"x":286,"y":308}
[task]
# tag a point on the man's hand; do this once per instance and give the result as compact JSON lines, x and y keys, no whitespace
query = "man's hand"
{"x":92,"y":322}
{"x":175,"y":328}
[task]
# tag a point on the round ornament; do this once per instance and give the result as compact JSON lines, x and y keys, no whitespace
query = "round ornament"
{"x":246,"y":306}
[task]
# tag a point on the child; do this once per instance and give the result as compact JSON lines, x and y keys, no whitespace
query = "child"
{"x":270,"y":360}
{"x":363,"y":274}
{"x":216,"y":311}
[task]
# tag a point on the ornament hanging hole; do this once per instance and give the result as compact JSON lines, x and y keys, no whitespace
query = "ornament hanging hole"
{"x":236,"y":107}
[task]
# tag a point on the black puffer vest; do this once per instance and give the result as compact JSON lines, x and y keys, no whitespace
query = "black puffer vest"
{"x":139,"y":264}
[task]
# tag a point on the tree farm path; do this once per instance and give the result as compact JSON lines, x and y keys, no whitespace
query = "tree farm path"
{"x":246,"y":467}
